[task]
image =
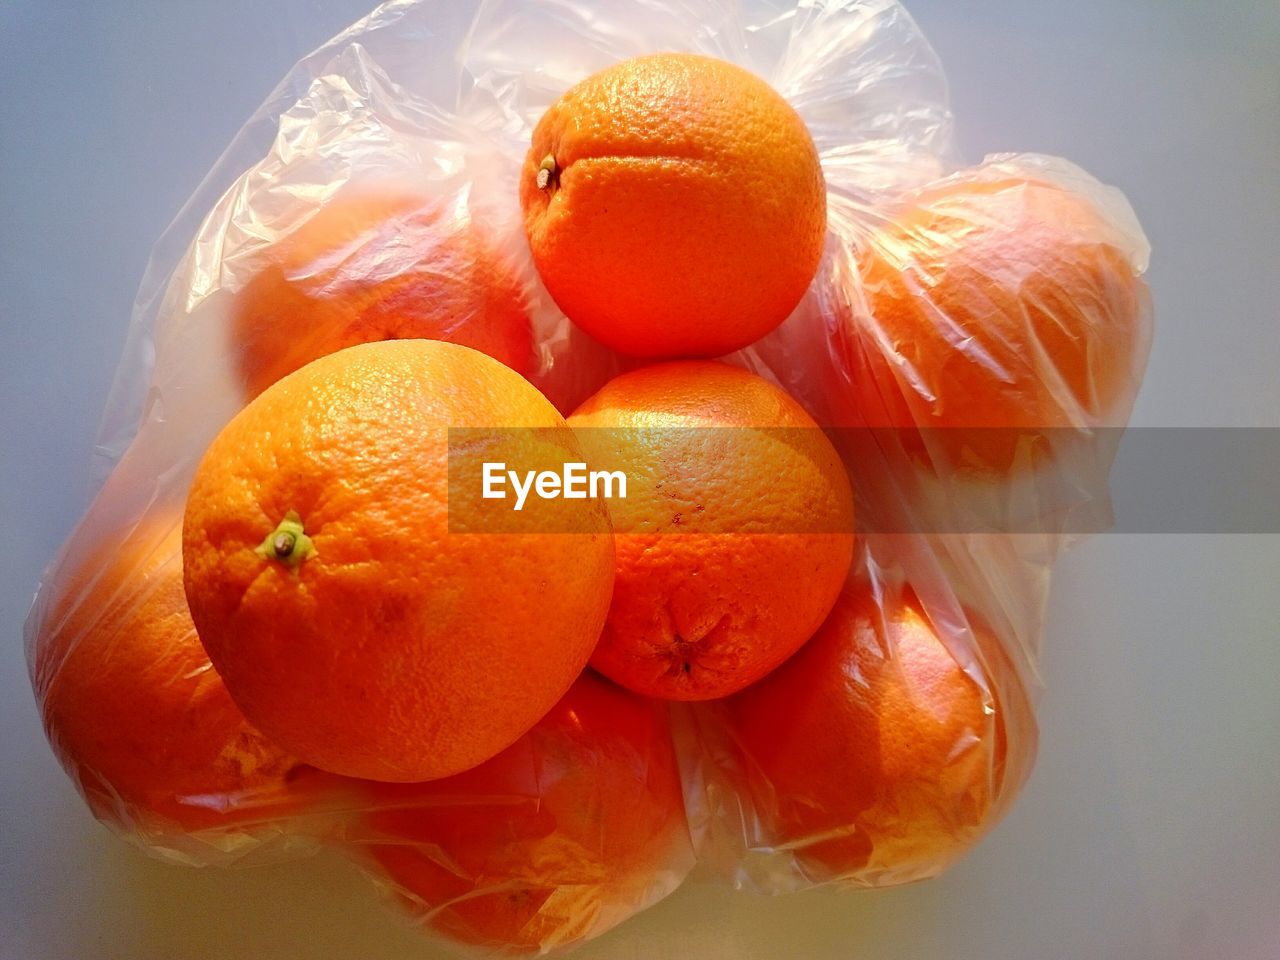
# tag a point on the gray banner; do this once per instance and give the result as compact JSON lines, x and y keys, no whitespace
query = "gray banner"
{"x":1140,"y":480}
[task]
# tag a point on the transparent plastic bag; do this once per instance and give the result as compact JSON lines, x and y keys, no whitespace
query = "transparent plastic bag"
{"x":146,"y":727}
{"x":384,"y":165}
{"x":878,"y":754}
{"x":572,"y":829}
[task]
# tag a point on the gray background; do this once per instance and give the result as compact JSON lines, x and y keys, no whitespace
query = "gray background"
{"x":1151,"y":827}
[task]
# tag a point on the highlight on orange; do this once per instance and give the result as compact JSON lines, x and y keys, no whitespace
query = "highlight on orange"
{"x":675,"y":206}
{"x":566,"y":833}
{"x":734,"y":537}
{"x":136,"y":712}
{"x":999,"y":306}
{"x":379,"y":262}
{"x":350,"y":620}
{"x":883,"y":750}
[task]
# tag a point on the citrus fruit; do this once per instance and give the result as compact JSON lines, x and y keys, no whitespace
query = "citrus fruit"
{"x":734,"y":536}
{"x":674,"y":205}
{"x":999,"y":308}
{"x":872,"y":756}
{"x":564,"y":834}
{"x":356,"y":618}
{"x":378,"y":263}
{"x":133,"y":707}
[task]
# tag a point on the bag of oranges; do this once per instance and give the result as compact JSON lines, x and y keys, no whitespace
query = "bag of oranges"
{"x":855,"y":397}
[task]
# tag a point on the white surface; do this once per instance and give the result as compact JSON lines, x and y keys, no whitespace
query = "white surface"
{"x":1151,"y":827}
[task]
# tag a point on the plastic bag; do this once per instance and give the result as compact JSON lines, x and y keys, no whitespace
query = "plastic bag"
{"x":420,"y":118}
{"x":571,"y":830}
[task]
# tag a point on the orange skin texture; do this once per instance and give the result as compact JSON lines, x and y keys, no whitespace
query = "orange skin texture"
{"x":556,"y":839}
{"x":870,"y":754}
{"x":687,"y":214}
{"x":378,"y":264}
{"x":1002,"y":304}
{"x":401,"y":648}
{"x":134,"y":708}
{"x":732,"y":542}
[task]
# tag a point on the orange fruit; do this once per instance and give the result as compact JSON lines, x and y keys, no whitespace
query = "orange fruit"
{"x":999,"y":308}
{"x":356,"y":618}
{"x":734,"y":537}
{"x":564,"y":834}
{"x":872,"y":756}
{"x":381,"y":263}
{"x":674,"y":205}
{"x":134,"y":709}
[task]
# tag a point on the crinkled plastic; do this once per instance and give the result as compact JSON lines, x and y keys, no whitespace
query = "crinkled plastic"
{"x":571,"y":830}
{"x":423,"y":115}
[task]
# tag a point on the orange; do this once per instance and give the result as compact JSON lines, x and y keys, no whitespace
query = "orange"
{"x":378,"y":263}
{"x":133,"y":707}
{"x":998,"y":307}
{"x":356,"y":618}
{"x":674,"y":205}
{"x":872,"y":756}
{"x":734,"y":537}
{"x":564,"y":834}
